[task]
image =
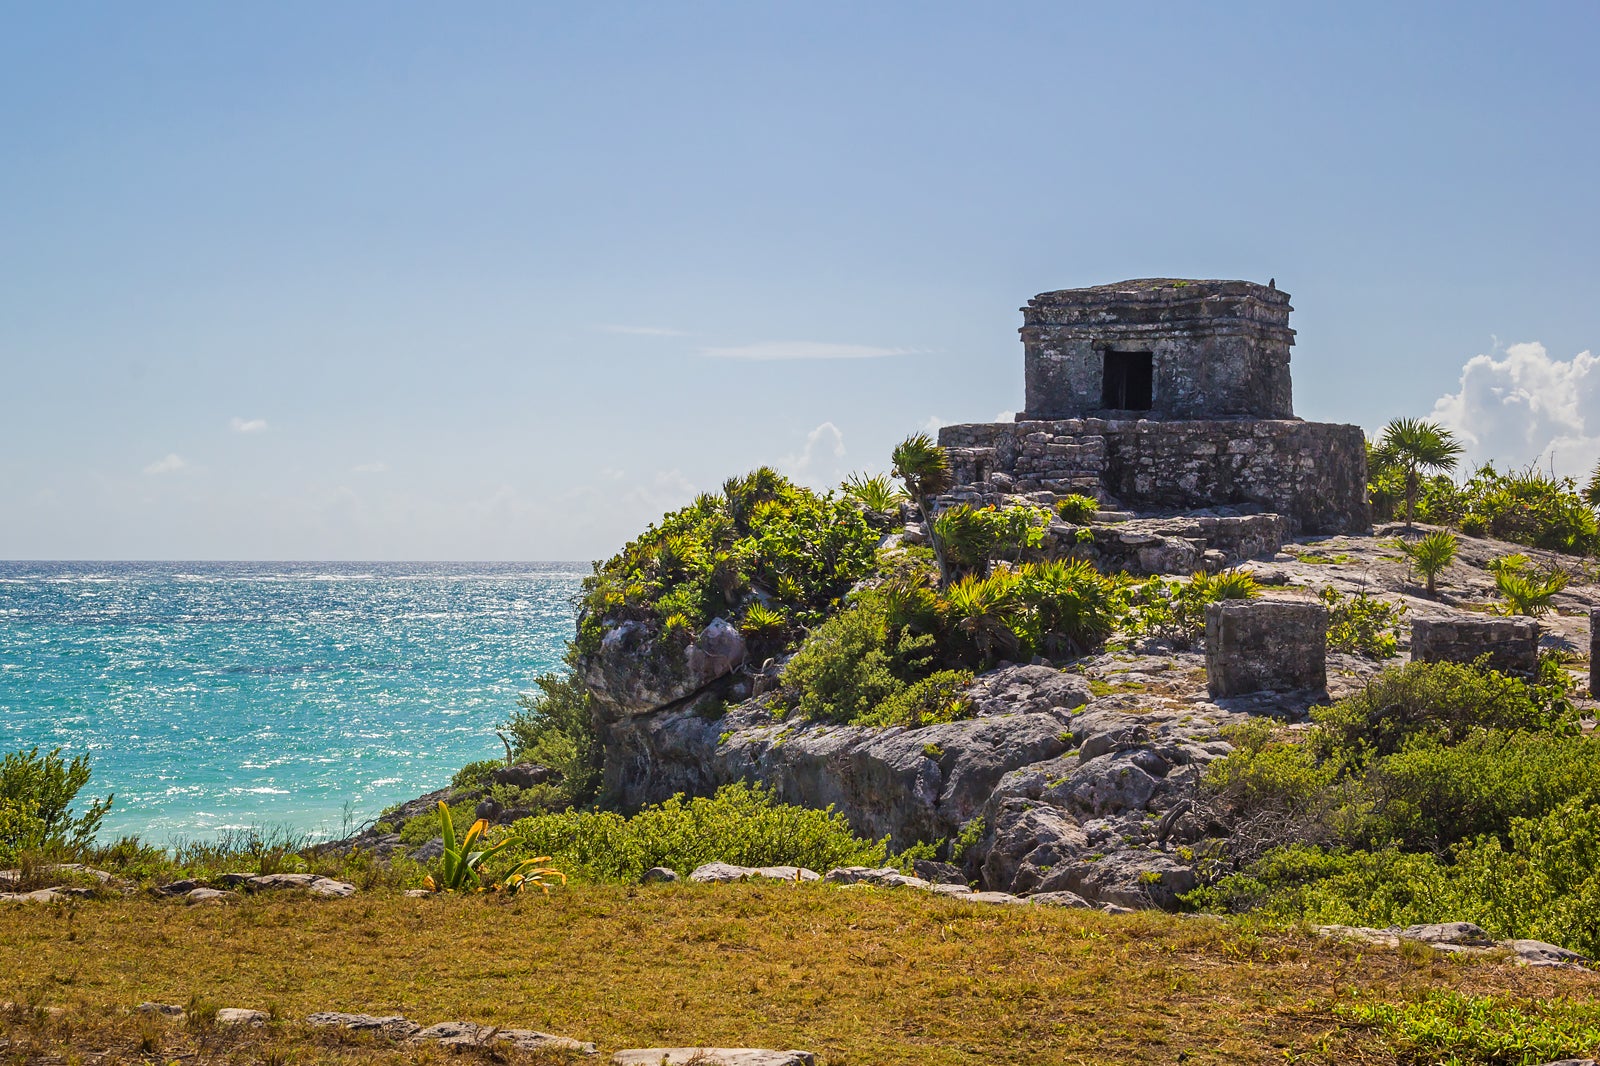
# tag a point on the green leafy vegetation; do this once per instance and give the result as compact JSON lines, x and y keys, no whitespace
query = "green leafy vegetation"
{"x":1441,"y":792}
{"x":1524,"y":589}
{"x":901,"y":651}
{"x":36,"y":795}
{"x":763,"y":537}
{"x":973,"y":536}
{"x":1449,"y":1027}
{"x":1077,"y":509}
{"x":1363,"y":624}
{"x":877,"y":494}
{"x":741,"y":825}
{"x":554,"y":727}
{"x":1176,"y":610}
{"x":1527,"y":506}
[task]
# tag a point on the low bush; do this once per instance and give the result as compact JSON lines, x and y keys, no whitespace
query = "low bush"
{"x":1450,"y":1027}
{"x":741,"y":824}
{"x":1363,"y":625}
{"x":972,"y":536}
{"x":1176,"y":610}
{"x":554,"y":727}
{"x":36,"y":795}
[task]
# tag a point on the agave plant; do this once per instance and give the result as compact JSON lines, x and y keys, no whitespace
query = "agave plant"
{"x":1431,"y":555}
{"x":529,"y":873}
{"x":458,"y":866}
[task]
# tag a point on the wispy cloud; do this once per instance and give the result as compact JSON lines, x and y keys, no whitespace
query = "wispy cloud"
{"x":770,"y":350}
{"x":370,"y":468}
{"x":171,"y":464}
{"x":248,"y":425}
{"x":643,"y":331}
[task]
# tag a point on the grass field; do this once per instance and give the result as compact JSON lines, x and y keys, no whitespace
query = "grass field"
{"x":856,"y":975}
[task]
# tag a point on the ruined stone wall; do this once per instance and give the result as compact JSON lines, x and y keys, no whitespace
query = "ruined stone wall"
{"x":1312,"y":473}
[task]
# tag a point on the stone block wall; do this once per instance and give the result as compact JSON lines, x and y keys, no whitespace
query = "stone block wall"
{"x":1257,"y":645}
{"x":1312,"y":473}
{"x":1512,"y":644}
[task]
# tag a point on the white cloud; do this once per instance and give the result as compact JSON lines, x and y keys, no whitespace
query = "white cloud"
{"x":370,"y":468}
{"x":933,"y":425}
{"x":1526,"y":407}
{"x":171,"y":464}
{"x":1006,"y":416}
{"x":643,"y":331}
{"x":820,"y":461}
{"x":770,"y":350}
{"x":248,"y":425}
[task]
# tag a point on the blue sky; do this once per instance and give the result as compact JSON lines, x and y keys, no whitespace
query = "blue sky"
{"x":506,"y":281}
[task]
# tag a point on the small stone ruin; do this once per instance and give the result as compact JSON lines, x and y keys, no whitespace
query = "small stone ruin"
{"x":1512,"y":644}
{"x":1266,"y":645}
{"x":1165,"y":396}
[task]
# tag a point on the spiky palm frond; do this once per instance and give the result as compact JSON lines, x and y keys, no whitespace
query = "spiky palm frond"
{"x":1431,"y":555}
{"x":922,"y":466}
{"x":1416,"y":445}
{"x":876,"y":493}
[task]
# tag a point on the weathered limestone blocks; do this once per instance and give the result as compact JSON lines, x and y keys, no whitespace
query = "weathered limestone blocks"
{"x":1512,"y":644}
{"x":1313,"y":473}
{"x":1260,"y":645}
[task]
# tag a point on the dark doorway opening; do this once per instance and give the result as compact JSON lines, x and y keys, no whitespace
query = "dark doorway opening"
{"x":1129,"y":381}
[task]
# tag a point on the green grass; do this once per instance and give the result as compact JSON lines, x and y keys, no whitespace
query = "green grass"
{"x":856,"y":975}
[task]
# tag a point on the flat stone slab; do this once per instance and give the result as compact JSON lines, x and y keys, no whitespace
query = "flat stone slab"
{"x":725,"y":873}
{"x":470,"y":1034}
{"x":166,"y":1010}
{"x":711,"y":1056}
{"x":210,"y":895}
{"x":241,"y":1016}
{"x":393,"y":1025}
{"x":1461,"y":938}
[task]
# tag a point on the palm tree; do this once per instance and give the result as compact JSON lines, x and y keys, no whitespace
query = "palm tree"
{"x":1416,"y":445}
{"x":1431,"y":555}
{"x":1591,"y":491}
{"x":924,"y":468}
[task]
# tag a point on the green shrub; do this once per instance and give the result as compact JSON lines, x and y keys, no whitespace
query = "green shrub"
{"x":1176,"y":610}
{"x":877,"y":494}
{"x":971,"y":536}
{"x":741,"y":825}
{"x":423,"y":828}
{"x":855,"y":661}
{"x":935,"y":699}
{"x":1442,"y":702}
{"x":36,"y":794}
{"x":1363,"y":625}
{"x":476,"y":774}
{"x":1069,"y":608}
{"x":554,"y":727}
{"x":763,"y":532}
{"x":1077,"y":509}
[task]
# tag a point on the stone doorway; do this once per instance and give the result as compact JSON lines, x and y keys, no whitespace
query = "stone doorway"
{"x":1129,"y":383}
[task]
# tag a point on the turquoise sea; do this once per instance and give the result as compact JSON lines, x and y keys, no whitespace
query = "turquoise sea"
{"x":214,"y":696}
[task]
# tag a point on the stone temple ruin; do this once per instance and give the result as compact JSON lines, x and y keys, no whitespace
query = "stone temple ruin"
{"x":1169,"y":398}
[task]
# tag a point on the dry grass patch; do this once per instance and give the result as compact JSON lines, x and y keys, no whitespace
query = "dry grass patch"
{"x":857,"y":975}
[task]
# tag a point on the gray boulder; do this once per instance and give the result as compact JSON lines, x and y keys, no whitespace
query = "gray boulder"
{"x":724,"y":873}
{"x":659,"y":875}
{"x":390,"y":1025}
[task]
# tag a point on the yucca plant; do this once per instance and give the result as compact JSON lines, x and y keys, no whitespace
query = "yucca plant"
{"x":980,"y":611}
{"x":763,"y":623}
{"x":965,"y":536}
{"x":876,"y":493}
{"x":1072,"y":608}
{"x":1414,"y":445}
{"x":1431,"y":555}
{"x":458,"y":866}
{"x":1526,"y":592}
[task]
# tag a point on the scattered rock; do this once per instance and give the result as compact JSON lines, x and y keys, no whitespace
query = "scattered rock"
{"x":390,"y":1025}
{"x":1538,"y":953}
{"x":659,"y":875}
{"x":38,"y":895}
{"x":1461,"y":937}
{"x":209,"y":895}
{"x":166,"y":1010}
{"x":178,"y":888}
{"x":241,"y":1016}
{"x":722,"y":873}
{"x":419,"y":893}
{"x":711,"y":1056}
{"x":1059,"y":899}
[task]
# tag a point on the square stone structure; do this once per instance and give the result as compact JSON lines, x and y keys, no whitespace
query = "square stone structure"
{"x":1261,"y":645}
{"x":1166,"y":395}
{"x":1512,"y":644}
{"x":1158,"y":348}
